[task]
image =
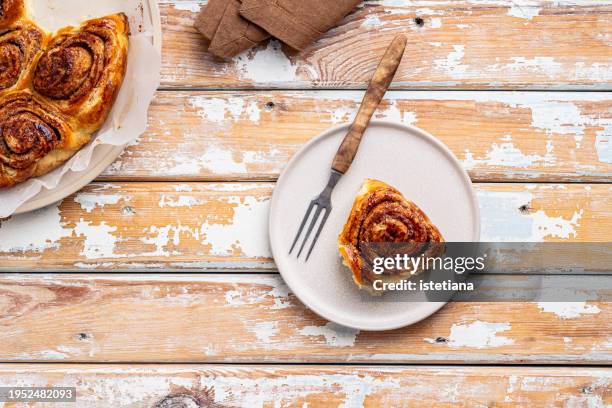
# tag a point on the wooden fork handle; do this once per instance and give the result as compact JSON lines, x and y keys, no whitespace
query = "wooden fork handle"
{"x":376,"y":91}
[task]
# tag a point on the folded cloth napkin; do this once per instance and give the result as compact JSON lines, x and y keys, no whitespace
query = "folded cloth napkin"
{"x":233,"y":26}
{"x":297,"y":23}
{"x":228,"y":32}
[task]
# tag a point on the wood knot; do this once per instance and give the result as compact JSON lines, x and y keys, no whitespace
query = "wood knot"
{"x":187,"y":398}
{"x":179,"y":401}
{"x":419,"y":21}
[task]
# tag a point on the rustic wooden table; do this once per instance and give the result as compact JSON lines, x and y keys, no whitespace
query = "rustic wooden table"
{"x":519,"y":90}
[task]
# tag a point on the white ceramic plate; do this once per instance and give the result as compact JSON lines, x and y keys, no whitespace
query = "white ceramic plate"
{"x":103,"y":155}
{"x":411,"y":160}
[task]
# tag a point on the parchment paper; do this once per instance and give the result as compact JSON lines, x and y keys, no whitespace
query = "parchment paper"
{"x":128,"y":118}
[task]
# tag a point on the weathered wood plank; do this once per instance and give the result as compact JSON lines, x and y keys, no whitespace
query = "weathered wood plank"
{"x":255,"y":318}
{"x":207,"y":226}
{"x":462,"y":43}
{"x":284,"y":386}
{"x":498,"y":136}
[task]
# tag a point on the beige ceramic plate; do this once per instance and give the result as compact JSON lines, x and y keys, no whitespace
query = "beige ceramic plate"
{"x":413,"y":161}
{"x":103,"y":155}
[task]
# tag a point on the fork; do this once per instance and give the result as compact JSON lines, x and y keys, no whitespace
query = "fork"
{"x":348,"y":149}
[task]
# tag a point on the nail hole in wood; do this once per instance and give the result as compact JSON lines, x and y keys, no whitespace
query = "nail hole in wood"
{"x":419,"y":21}
{"x":270,"y":105}
{"x":84,"y":336}
{"x":127,"y":211}
{"x":441,"y":340}
{"x":524,"y":209}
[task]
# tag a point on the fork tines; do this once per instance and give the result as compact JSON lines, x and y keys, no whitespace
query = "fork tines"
{"x":319,"y":209}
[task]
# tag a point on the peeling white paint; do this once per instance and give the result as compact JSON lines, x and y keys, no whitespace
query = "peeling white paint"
{"x":334,"y":334}
{"x":182,"y":188}
{"x":99,"y":240}
{"x":264,"y":331}
{"x":552,"y":113}
{"x":526,"y":9}
{"x":223,"y":110}
{"x":596,"y":71}
{"x":479,"y":335}
{"x":209,"y":350}
{"x":275,"y":387}
{"x":508,"y":155}
{"x":372,"y":20}
{"x":603,"y":145}
{"x":280,"y":294}
{"x":503,"y":222}
{"x":557,"y":227}
{"x":36,"y":231}
{"x":253,"y":112}
{"x":343,"y":114}
{"x":568,"y":310}
{"x":562,"y":118}
{"x":545,"y":65}
{"x":353,"y":389}
{"x":182,"y":201}
{"x":266,"y":65}
{"x":247,"y":232}
{"x":436,"y":23}
{"x":162,"y":237}
{"x":184,"y":5}
{"x":233,"y":298}
{"x":219,"y":159}
{"x":242,"y":295}
{"x":451,"y":65}
{"x":426,"y":11}
{"x":89,"y":201}
{"x":393,"y":112}
{"x":53,"y":355}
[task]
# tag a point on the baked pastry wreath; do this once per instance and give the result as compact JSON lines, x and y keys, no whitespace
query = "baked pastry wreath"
{"x":381,"y":221}
{"x":55,"y":91}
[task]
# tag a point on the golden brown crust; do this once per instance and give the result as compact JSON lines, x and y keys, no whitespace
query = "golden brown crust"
{"x":53,"y":97}
{"x":10,"y":12}
{"x":34,"y":138}
{"x":19,"y":47}
{"x":82,"y":69}
{"x":381,"y":214}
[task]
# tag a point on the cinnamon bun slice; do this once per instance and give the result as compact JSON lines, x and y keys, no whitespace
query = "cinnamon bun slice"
{"x":35,"y":138}
{"x":83,"y":68}
{"x":19,"y":47}
{"x":10,"y":12}
{"x":383,"y":223}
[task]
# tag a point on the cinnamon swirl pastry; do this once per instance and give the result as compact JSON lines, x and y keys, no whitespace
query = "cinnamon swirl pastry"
{"x":19,"y":46}
{"x":10,"y":12}
{"x":82,"y":69}
{"x":35,"y":138}
{"x":381,"y":215}
{"x":54,"y":96}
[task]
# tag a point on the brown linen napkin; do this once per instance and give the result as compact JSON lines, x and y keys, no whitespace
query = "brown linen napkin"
{"x":229,"y":34}
{"x":297,"y":23}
